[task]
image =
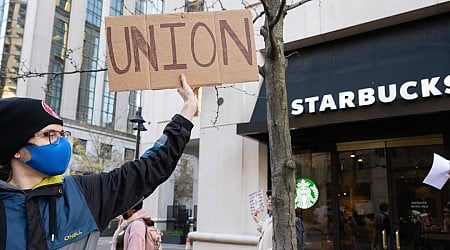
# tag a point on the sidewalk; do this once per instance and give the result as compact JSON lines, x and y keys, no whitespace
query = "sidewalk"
{"x":173,"y":247}
{"x":104,"y":243}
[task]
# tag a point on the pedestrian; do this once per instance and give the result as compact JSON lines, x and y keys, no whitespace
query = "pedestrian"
{"x":381,"y":224}
{"x":446,"y":220}
{"x":265,"y":228}
{"x":299,"y":229}
{"x":41,"y":209}
{"x":136,"y":231}
{"x":348,"y":230}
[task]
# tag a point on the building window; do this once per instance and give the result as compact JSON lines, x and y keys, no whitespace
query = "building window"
{"x":11,"y":39}
{"x":22,"y":14}
{"x":94,"y":12}
{"x":79,"y":146}
{"x":58,"y":54}
{"x":108,"y":106}
{"x":109,"y":98}
{"x":105,"y":151}
{"x":129,"y":154}
{"x":64,"y":4}
{"x":157,"y":6}
{"x":143,"y":7}
{"x":87,"y":84}
{"x":60,"y":34}
{"x":90,"y":61}
{"x":184,"y":181}
{"x":194,"y":5}
{"x":116,"y":8}
{"x":54,"y":87}
{"x":317,"y":166}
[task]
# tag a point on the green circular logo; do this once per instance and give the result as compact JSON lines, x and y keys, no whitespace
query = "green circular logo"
{"x":306,"y":193}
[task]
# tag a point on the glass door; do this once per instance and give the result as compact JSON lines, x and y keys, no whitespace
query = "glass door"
{"x":376,"y":174}
{"x":317,"y":220}
{"x":419,"y":212}
{"x":363,"y":186}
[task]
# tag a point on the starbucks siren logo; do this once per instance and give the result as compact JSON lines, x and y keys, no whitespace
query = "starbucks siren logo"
{"x":306,"y":193}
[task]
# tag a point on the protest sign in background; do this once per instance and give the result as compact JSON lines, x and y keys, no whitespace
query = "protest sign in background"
{"x":256,"y":202}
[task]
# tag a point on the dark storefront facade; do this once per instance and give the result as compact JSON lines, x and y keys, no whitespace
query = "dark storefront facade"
{"x":367,"y":114}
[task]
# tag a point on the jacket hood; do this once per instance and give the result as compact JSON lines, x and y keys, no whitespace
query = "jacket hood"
{"x":138,"y":215}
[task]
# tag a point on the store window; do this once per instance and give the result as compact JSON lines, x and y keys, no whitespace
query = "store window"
{"x":129,"y":154}
{"x":317,"y":219}
{"x":195,"y":5}
{"x":105,"y":151}
{"x":79,"y":146}
{"x":392,"y":171}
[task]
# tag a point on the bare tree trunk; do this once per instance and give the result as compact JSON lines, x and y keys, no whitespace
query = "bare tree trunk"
{"x":282,"y":165}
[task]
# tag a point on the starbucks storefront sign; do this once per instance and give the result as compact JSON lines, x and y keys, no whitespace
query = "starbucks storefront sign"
{"x":306,"y":193}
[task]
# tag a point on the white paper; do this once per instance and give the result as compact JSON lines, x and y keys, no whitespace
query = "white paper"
{"x":256,"y":202}
{"x":439,"y":172}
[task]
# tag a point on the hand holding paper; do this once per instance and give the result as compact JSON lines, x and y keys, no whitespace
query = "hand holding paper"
{"x":256,"y":202}
{"x":439,"y":173}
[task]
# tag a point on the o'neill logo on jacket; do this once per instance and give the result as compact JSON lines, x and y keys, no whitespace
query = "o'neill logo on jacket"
{"x":73,"y":235}
{"x":409,"y":90}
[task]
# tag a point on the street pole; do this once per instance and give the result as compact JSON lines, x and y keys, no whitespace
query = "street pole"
{"x":138,"y":142}
{"x":139,"y":126}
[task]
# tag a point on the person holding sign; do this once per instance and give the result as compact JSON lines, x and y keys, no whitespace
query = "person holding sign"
{"x":256,"y":200}
{"x":41,"y":209}
{"x":265,"y":228}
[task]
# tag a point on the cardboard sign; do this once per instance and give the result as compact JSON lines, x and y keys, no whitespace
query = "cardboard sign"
{"x":210,"y":48}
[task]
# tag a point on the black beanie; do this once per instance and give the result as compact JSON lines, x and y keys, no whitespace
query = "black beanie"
{"x":20,"y":119}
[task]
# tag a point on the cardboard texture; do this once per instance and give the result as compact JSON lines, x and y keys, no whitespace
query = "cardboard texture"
{"x":210,"y":48}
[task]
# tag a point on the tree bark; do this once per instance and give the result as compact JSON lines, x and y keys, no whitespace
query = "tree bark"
{"x":282,"y":166}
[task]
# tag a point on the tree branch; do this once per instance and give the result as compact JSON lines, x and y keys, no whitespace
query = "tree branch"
{"x":31,"y":74}
{"x":216,"y":118}
{"x":258,"y":16}
{"x":265,"y":7}
{"x":288,"y":7}
{"x":221,"y":5}
{"x":280,"y":13}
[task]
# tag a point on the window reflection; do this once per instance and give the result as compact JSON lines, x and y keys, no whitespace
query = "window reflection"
{"x":317,"y":220}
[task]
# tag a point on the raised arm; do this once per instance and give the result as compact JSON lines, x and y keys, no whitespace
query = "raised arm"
{"x":189,"y":98}
{"x":110,"y":194}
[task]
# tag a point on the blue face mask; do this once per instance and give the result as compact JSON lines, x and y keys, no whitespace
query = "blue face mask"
{"x":52,"y":159}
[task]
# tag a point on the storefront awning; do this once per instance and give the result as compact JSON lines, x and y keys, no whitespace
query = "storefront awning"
{"x":353,"y":80}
